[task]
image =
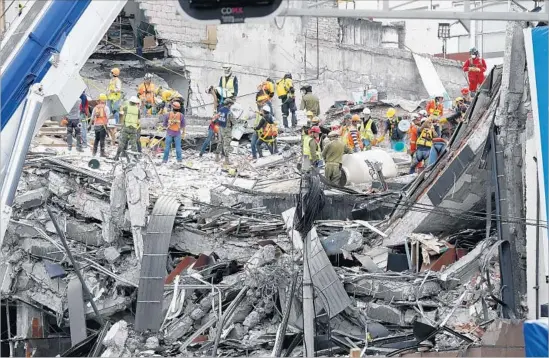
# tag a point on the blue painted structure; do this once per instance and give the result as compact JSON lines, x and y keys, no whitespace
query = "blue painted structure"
{"x":31,"y":63}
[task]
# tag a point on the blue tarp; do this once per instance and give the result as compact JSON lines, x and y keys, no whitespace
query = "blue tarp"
{"x":536,"y":335}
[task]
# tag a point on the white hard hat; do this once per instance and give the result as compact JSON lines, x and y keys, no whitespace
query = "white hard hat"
{"x":148,"y":76}
{"x":439,"y":95}
{"x":266,"y":108}
{"x":226,"y":65}
{"x":237,"y":110}
{"x":423,"y":113}
{"x":366,"y":111}
{"x":134,"y":99}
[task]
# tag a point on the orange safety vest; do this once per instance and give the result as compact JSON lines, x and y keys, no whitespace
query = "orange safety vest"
{"x":146,"y":92}
{"x":413,"y":137}
{"x":174,"y":121}
{"x":100,"y":115}
{"x":435,"y":109}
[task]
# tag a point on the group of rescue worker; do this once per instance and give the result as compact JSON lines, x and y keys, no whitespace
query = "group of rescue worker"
{"x":111,"y":111}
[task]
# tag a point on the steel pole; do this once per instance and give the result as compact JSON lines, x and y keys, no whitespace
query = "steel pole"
{"x":417,"y":15}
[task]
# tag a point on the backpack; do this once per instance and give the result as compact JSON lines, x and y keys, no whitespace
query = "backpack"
{"x":281,"y":88}
{"x":270,"y":131}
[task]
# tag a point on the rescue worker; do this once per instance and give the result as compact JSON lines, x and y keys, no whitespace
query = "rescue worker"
{"x":367,"y":129}
{"x":413,"y":131}
{"x":346,"y":110}
{"x":333,"y":157}
{"x":309,"y":101}
{"x":422,"y":114}
{"x":466,"y":94}
{"x":424,"y":143}
{"x":130,"y":123}
{"x":114,"y":94}
{"x":286,"y":92}
{"x":435,"y":107}
{"x":354,"y":141}
{"x":265,"y":93}
{"x":84,"y":115}
{"x":311,"y":149}
{"x":229,"y":83}
{"x":225,"y":120}
{"x":310,"y":116}
{"x":174,"y":122}
{"x":74,"y":128}
{"x":334,"y":127}
{"x":146,"y":93}
{"x":213,"y":129}
{"x":100,"y":117}
{"x":391,"y":127}
{"x":266,"y":132}
{"x":475,"y":67}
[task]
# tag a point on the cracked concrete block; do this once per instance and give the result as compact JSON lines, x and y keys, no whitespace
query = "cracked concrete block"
{"x":118,"y":196}
{"x":111,"y":254}
{"x":152,"y":343}
{"x":59,"y":184}
{"x":89,"y":234}
{"x":109,"y":306}
{"x":137,"y":193}
{"x":253,"y":319}
{"x":117,"y":335}
{"x":179,"y":328}
{"x":32,"y":199}
{"x":392,"y":290}
{"x":263,"y":256}
{"x":88,"y":205}
{"x":385,"y":313}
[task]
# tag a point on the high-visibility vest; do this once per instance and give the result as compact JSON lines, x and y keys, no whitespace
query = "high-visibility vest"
{"x":101,"y":115}
{"x":283,"y":86}
{"x":425,"y":139}
{"x":434,"y":108}
{"x":307,"y":148}
{"x":131,"y":117}
{"x":366,"y":131}
{"x":174,"y":121}
{"x":228,"y":85}
{"x":112,"y":95}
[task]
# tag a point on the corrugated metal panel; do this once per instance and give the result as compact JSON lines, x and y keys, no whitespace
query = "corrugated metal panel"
{"x":153,"y":264}
{"x":325,"y":279}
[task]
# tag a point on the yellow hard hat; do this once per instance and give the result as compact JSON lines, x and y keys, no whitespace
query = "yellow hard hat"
{"x":115,"y":71}
{"x":166,"y":95}
{"x":102,"y":97}
{"x":459,"y":99}
{"x":391,"y":112}
{"x":309,"y":114}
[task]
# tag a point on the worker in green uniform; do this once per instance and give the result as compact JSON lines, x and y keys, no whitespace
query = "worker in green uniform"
{"x":333,"y":156}
{"x":130,"y":124}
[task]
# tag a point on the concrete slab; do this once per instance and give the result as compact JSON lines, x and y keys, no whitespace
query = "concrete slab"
{"x":77,"y":318}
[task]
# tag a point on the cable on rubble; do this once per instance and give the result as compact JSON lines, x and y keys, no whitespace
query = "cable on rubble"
{"x":309,"y":205}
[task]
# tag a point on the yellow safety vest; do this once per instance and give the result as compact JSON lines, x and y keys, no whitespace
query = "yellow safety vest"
{"x":112,"y":95}
{"x":307,"y":148}
{"x":131,"y":117}
{"x":228,"y":85}
{"x":366,"y":131}
{"x":425,"y":138}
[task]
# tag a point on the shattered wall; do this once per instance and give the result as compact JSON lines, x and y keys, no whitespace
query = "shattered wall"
{"x":258,"y":51}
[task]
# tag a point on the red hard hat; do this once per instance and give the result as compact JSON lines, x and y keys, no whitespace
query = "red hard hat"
{"x":464,"y":91}
{"x":315,"y":129}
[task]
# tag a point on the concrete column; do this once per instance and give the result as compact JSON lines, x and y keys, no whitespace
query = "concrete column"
{"x":30,"y":321}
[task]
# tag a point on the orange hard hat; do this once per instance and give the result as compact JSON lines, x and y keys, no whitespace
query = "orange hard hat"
{"x":355,"y":118}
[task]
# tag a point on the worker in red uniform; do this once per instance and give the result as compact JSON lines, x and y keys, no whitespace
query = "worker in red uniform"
{"x":475,"y":67}
{"x":435,"y":107}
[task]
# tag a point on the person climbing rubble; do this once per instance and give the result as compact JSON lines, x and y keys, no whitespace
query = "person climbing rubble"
{"x":229,"y":83}
{"x":435,"y":107}
{"x":286,"y":93}
{"x":99,"y":117}
{"x":146,"y":93}
{"x":265,"y":93}
{"x":424,"y":143}
{"x":309,"y":101}
{"x":367,"y":129}
{"x":174,"y":122}
{"x":466,"y":94}
{"x":354,"y":141}
{"x":114,"y":94}
{"x":130,"y":123}
{"x":74,"y":128}
{"x":225,"y":120}
{"x":84,"y":111}
{"x":213,"y":130}
{"x":311,"y":149}
{"x":475,"y":67}
{"x":333,"y":157}
{"x":266,"y":132}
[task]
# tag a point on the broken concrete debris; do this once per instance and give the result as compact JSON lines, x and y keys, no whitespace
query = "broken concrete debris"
{"x":222,"y":282}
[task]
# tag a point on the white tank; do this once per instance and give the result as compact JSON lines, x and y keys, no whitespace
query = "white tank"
{"x":357,"y":171}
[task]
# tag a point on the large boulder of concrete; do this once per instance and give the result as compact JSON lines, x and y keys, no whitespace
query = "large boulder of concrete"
{"x":358,"y":172}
